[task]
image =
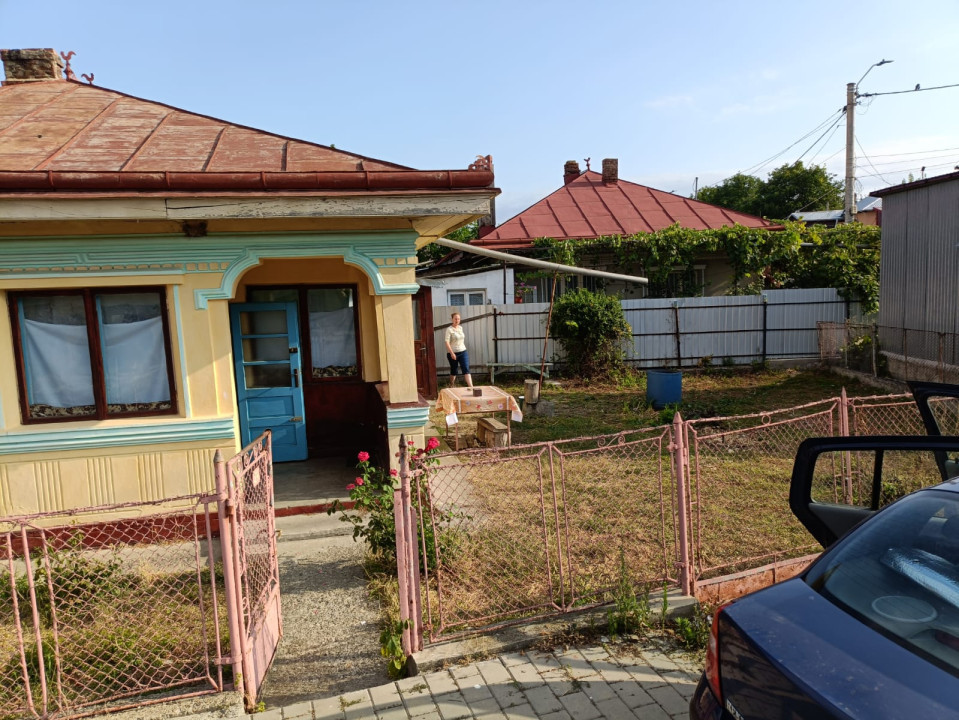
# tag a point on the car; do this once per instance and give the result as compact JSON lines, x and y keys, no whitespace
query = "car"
{"x":871,"y":628}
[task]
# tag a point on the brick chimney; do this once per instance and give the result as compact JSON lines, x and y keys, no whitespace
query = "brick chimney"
{"x":610,"y":171}
{"x":31,"y":65}
{"x":570,"y":171}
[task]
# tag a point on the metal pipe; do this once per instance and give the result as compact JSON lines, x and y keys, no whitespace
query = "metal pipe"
{"x":543,"y":264}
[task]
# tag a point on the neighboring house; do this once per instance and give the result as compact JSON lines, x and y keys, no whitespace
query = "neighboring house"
{"x":176,"y":284}
{"x":919,"y":278}
{"x":461,"y":279}
{"x":868,"y":212}
{"x":591,"y":205}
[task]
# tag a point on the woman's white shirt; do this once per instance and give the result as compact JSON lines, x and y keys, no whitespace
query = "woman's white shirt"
{"x":456,"y":338}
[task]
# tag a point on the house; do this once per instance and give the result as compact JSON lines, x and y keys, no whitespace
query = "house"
{"x":462,"y":279}
{"x":918,"y":281}
{"x":175,"y":284}
{"x":591,"y":205}
{"x":868,"y":212}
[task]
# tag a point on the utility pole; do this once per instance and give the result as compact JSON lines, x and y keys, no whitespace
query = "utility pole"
{"x":849,"y":205}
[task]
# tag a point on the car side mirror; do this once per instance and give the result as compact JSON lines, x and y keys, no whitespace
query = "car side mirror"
{"x":838,"y":482}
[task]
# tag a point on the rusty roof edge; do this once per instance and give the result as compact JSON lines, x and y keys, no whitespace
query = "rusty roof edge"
{"x":83,"y":181}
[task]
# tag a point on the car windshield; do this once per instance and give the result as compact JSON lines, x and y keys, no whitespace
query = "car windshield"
{"x":899,"y":573}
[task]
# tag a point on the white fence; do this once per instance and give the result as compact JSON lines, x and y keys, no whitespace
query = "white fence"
{"x":680,"y":332}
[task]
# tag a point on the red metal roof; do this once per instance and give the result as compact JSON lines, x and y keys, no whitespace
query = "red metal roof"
{"x":61,"y":135}
{"x":588,"y":208}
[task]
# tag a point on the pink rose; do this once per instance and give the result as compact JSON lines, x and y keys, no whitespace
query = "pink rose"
{"x":393,"y":472}
{"x":359,"y":481}
{"x":363,"y":456}
{"x":432,"y":443}
{"x":351,"y":486}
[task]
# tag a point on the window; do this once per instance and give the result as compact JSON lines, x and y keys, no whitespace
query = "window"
{"x":466,"y":297}
{"x":329,"y":328}
{"x":92,"y":354}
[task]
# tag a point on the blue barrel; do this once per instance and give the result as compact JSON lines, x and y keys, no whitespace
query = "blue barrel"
{"x":664,"y":387}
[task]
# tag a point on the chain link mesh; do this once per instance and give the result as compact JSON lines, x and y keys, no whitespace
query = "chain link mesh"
{"x":96,"y":613}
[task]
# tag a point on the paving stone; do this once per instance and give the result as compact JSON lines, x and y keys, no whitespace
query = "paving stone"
{"x":440,"y":683}
{"x":526,"y":675}
{"x":476,"y":691}
{"x":562,"y":685}
{"x":397,"y":712}
{"x":659,"y":660}
{"x":327,"y":709}
{"x":615,"y":709}
{"x":508,"y":695}
{"x":579,"y":706}
{"x":612,"y":672}
{"x":632,"y":694}
{"x":669,"y":699}
{"x":645,"y":675}
{"x":544,"y":662}
{"x":452,"y":706}
{"x":543,"y":700}
{"x":494,"y":672}
{"x":385,"y":696}
{"x":576,"y":665}
{"x":597,"y":690}
{"x":519,"y":712}
{"x":597,"y":653}
{"x":561,"y":715}
{"x":460,"y":672}
{"x":271,"y":714}
{"x":684,"y":684}
{"x":514,"y":658}
{"x":419,"y":704}
{"x":411,"y":685}
{"x":487,"y":710}
{"x":298,"y":711}
{"x":655,"y":712}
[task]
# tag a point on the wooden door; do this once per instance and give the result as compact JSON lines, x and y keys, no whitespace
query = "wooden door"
{"x":423,"y":342}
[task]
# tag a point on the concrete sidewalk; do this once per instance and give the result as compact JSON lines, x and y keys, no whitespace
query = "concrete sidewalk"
{"x":612,"y":682}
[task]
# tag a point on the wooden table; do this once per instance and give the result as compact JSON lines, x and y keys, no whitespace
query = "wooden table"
{"x":462,"y":401}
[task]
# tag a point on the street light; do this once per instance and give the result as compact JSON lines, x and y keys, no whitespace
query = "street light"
{"x":852,"y":92}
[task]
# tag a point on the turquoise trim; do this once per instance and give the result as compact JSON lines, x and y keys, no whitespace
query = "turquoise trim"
{"x":122,"y":436}
{"x":232,"y":255}
{"x":408,"y":417}
{"x":178,"y":324}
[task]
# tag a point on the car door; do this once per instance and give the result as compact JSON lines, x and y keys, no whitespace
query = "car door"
{"x":938,"y":405}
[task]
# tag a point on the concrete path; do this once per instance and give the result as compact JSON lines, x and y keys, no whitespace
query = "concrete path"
{"x":611,"y":682}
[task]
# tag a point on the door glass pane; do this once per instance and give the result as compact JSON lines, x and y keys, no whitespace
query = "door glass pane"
{"x":332,"y":332}
{"x":263,"y":322}
{"x":56,"y":356}
{"x":268,"y":375}
{"x":273,"y":295}
{"x":259,"y":349}
{"x":134,"y":352}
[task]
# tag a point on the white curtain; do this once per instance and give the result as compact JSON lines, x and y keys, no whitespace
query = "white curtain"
{"x":333,"y":338}
{"x":58,"y":364}
{"x":134,"y":362}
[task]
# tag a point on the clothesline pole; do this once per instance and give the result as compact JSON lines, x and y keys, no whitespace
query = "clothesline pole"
{"x":549,"y":319}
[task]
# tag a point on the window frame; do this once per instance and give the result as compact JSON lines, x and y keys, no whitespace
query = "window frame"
{"x":466,"y":297}
{"x":89,"y":295}
{"x":303,"y":314}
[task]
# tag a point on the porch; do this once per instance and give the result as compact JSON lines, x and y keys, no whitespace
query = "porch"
{"x":310,"y":486}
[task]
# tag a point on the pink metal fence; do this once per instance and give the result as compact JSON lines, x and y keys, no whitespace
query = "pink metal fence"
{"x":507,"y":534}
{"x":101,"y":615}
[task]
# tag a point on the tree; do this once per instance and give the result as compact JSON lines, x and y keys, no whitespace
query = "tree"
{"x":739,"y":192}
{"x":435,"y":252}
{"x":592,"y":329}
{"x":788,"y":188}
{"x":796,"y":187}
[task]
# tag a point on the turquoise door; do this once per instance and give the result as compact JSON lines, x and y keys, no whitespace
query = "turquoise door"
{"x":266,"y":357}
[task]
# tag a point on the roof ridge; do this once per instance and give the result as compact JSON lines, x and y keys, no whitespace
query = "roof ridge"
{"x":79,"y":84}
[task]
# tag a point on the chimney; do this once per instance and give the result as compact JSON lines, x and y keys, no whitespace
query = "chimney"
{"x":610,"y":171}
{"x":570,"y":171}
{"x":31,"y":65}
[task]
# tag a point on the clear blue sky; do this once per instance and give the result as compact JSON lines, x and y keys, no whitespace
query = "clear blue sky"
{"x":674,"y":90}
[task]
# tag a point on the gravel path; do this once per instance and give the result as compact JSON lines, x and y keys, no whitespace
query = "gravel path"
{"x":330,"y":641}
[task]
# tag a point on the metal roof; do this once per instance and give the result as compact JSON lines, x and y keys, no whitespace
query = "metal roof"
{"x":892,"y":190}
{"x":865,"y":204}
{"x":586,"y":207}
{"x":62,"y":135}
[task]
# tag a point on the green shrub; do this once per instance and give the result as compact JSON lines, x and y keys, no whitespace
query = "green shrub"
{"x":592,"y":329}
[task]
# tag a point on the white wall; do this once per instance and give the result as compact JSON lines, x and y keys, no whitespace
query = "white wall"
{"x":491,"y":282}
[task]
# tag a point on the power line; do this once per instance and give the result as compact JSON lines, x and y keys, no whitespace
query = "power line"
{"x":826,"y":142}
{"x":868,"y":160}
{"x":922,"y":159}
{"x":787,"y":149}
{"x":901,"y":92}
{"x":917,"y":152}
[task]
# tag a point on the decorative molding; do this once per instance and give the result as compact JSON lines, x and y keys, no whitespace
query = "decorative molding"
{"x":407,"y":417}
{"x":184,"y":389}
{"x":120,"y":436}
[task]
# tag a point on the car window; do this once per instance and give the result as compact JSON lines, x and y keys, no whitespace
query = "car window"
{"x":899,"y":573}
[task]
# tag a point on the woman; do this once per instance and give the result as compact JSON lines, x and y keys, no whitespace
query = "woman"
{"x":456,"y":351}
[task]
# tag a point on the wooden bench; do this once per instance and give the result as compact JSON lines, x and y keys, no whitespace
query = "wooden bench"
{"x":492,"y":433}
{"x":525,"y":366}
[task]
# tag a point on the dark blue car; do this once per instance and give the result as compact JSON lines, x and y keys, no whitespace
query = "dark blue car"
{"x":871,"y":629}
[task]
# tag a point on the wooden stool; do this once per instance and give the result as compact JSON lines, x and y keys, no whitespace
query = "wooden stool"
{"x":492,"y":433}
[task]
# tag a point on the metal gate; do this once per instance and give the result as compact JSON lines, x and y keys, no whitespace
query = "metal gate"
{"x":248,"y":536}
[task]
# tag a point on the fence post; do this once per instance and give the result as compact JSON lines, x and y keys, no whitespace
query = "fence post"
{"x":874,"y":343}
{"x":765,"y":325}
{"x":679,"y":348}
{"x":846,"y":456}
{"x":942,"y":337}
{"x":407,"y":557}
{"x":678,"y":450}
{"x":225,"y":516}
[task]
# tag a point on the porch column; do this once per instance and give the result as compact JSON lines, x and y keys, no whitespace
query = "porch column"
{"x":398,"y":340}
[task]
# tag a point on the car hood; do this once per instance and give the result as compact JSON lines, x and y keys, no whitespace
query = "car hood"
{"x":788,"y":649}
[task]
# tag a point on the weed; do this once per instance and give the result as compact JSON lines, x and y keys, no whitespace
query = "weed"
{"x":693,"y":632}
{"x":259,"y":707}
{"x":629,"y":614}
{"x":667,"y":414}
{"x":391,"y":647}
{"x":664,"y":608}
{"x":344,"y":703}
